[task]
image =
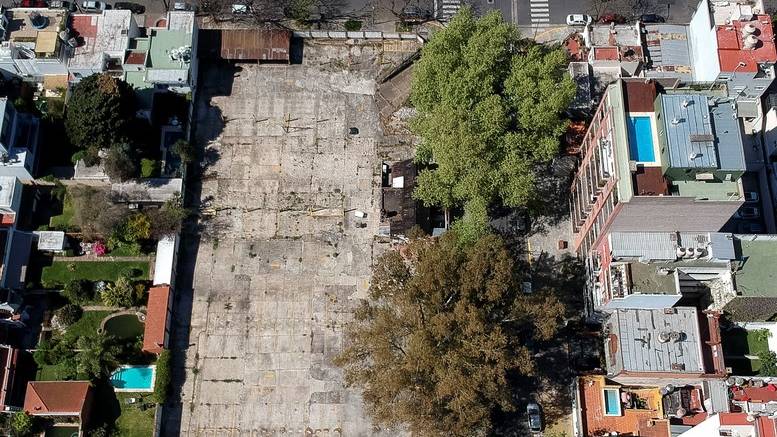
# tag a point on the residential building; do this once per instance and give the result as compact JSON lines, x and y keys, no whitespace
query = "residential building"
{"x":755,"y":295}
{"x":678,"y":342}
{"x":11,"y":394}
{"x":18,"y":142}
{"x":14,"y":244}
{"x":652,"y":408}
{"x":657,"y":269}
{"x":103,"y":41}
{"x":35,"y":46}
{"x":164,"y":59}
{"x":734,"y":424}
{"x":158,"y":319}
{"x":614,"y":50}
{"x":165,"y":260}
{"x":60,"y":401}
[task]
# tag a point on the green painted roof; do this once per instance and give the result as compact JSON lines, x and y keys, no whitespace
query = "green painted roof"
{"x":726,"y":190}
{"x":162,"y":41}
{"x":140,"y":44}
{"x":757,"y":275}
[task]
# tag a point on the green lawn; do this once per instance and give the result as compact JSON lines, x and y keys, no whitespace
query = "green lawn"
{"x":64,"y":221}
{"x":756,"y":342}
{"x":61,"y":272}
{"x":87,"y":325}
{"x":50,"y":373}
{"x":134,"y":422}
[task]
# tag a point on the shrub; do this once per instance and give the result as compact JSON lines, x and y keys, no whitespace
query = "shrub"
{"x":353,"y":25}
{"x":137,"y":227}
{"x":99,"y":248}
{"x":69,"y":314}
{"x":42,"y":354}
{"x":22,"y":423}
{"x":167,"y":219}
{"x":768,"y":361}
{"x":119,"y":164}
{"x":149,"y":168}
{"x":185,"y":150}
{"x":119,"y":294}
{"x":162,"y":383}
{"x":79,"y":291}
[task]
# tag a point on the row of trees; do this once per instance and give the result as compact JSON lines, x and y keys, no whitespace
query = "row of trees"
{"x":490,"y":113}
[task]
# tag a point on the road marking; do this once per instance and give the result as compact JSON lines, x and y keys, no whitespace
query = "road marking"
{"x":539,"y":12}
{"x":540,"y":20}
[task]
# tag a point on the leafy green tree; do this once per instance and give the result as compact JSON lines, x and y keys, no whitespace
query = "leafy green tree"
{"x":79,"y":291}
{"x":149,"y":168}
{"x":444,"y":326}
{"x":120,"y":162}
{"x":97,"y":356}
{"x":119,"y":294}
{"x":95,"y":214}
{"x":163,"y":377}
{"x":768,"y":361}
{"x":98,"y":110}
{"x":167,"y":219}
{"x":490,"y":108}
{"x":185,"y":150}
{"x":22,"y":423}
{"x":137,"y":227}
{"x":69,"y":314}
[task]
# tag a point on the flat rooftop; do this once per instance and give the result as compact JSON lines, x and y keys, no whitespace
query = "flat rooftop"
{"x":732,"y":45}
{"x":43,"y":39}
{"x":756,"y":275}
{"x":100,"y":34}
{"x":688,"y":129}
{"x":668,"y":51}
{"x":638,"y":336}
{"x":623,"y":35}
{"x":712,"y":190}
{"x":7,"y":188}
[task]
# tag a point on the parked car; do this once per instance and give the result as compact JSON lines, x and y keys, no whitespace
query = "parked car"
{"x":63,"y":4}
{"x":748,"y":212}
{"x":534,"y":417}
{"x":181,"y":6}
{"x":129,"y":6}
{"x":578,"y":20}
{"x":751,"y":196}
{"x":612,"y":18}
{"x":749,"y":228}
{"x":93,"y":6}
{"x":33,"y":4}
{"x":652,"y":18}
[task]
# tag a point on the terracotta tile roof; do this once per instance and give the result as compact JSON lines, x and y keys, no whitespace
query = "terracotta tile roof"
{"x":156,"y":319}
{"x":731,"y":50}
{"x":56,"y":397}
{"x":767,"y":427}
{"x":755,"y":394}
{"x":135,"y":58}
{"x":648,"y":422}
{"x":606,"y":54}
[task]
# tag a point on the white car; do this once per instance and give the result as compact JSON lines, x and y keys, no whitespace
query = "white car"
{"x":579,"y":20}
{"x":93,"y":6}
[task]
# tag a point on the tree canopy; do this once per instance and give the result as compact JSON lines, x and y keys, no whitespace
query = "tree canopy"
{"x":98,"y":112}
{"x":444,"y":327}
{"x":490,"y":109}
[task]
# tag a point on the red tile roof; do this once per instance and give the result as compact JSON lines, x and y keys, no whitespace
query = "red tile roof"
{"x":606,"y":53}
{"x":766,"y":427}
{"x":135,"y":58}
{"x":755,"y":394}
{"x":56,"y":397}
{"x":7,"y":219}
{"x":156,"y":319}
{"x":84,"y":25}
{"x":731,"y":50}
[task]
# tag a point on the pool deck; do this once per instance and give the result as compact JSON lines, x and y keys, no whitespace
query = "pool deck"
{"x":135,"y":390}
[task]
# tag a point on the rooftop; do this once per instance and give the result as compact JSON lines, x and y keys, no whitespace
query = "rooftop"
{"x":8,"y":185}
{"x":646,"y":420}
{"x":42,"y":39}
{"x":620,"y":35}
{"x":98,"y":35}
{"x":665,"y":340}
{"x":156,"y":319}
{"x":50,"y":240}
{"x":733,"y":44}
{"x":756,"y":275}
{"x":690,"y":139}
{"x":56,"y":397}
{"x":668,"y":51}
{"x":165,"y":259}
{"x":156,"y":190}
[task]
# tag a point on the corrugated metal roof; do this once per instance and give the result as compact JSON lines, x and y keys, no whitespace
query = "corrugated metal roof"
{"x":689,"y":132}
{"x":641,"y":348}
{"x":645,"y":245}
{"x":255,"y":44}
{"x":726,"y":125}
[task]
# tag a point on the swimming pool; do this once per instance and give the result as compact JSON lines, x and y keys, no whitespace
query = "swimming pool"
{"x":134,"y":378}
{"x":612,"y":402}
{"x":641,"y":147}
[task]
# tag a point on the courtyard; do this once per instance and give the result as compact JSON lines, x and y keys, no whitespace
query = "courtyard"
{"x":283,"y":256}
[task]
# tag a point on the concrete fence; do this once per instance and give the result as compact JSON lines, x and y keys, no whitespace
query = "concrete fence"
{"x":336,"y":34}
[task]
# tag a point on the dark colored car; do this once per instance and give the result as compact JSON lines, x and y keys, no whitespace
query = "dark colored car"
{"x":612,"y":18}
{"x":63,"y":4}
{"x":652,"y":18}
{"x":534,"y":417}
{"x":129,"y":6}
{"x":33,"y":4}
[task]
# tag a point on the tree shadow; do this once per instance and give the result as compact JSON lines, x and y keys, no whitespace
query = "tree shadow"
{"x":551,"y":204}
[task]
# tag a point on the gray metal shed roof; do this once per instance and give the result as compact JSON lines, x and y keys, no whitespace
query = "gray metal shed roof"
{"x":726,"y":125}
{"x":640,"y":348}
{"x":689,"y":132}
{"x":668,"y":50}
{"x":645,"y":245}
{"x":722,"y":246}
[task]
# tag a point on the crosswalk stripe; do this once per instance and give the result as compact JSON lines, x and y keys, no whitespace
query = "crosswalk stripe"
{"x":540,"y":10}
{"x":540,"y":15}
{"x":540,"y":20}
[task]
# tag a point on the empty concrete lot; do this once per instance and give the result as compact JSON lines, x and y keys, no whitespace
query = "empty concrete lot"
{"x":283,"y":259}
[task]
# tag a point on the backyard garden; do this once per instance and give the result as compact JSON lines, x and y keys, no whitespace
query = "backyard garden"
{"x":747,"y":352}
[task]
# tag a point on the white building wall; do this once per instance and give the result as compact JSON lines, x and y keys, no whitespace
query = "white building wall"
{"x":703,"y":44}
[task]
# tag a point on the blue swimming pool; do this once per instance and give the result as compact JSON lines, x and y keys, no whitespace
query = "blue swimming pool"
{"x":612,"y":402}
{"x":133,"y":378}
{"x":641,"y":139}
